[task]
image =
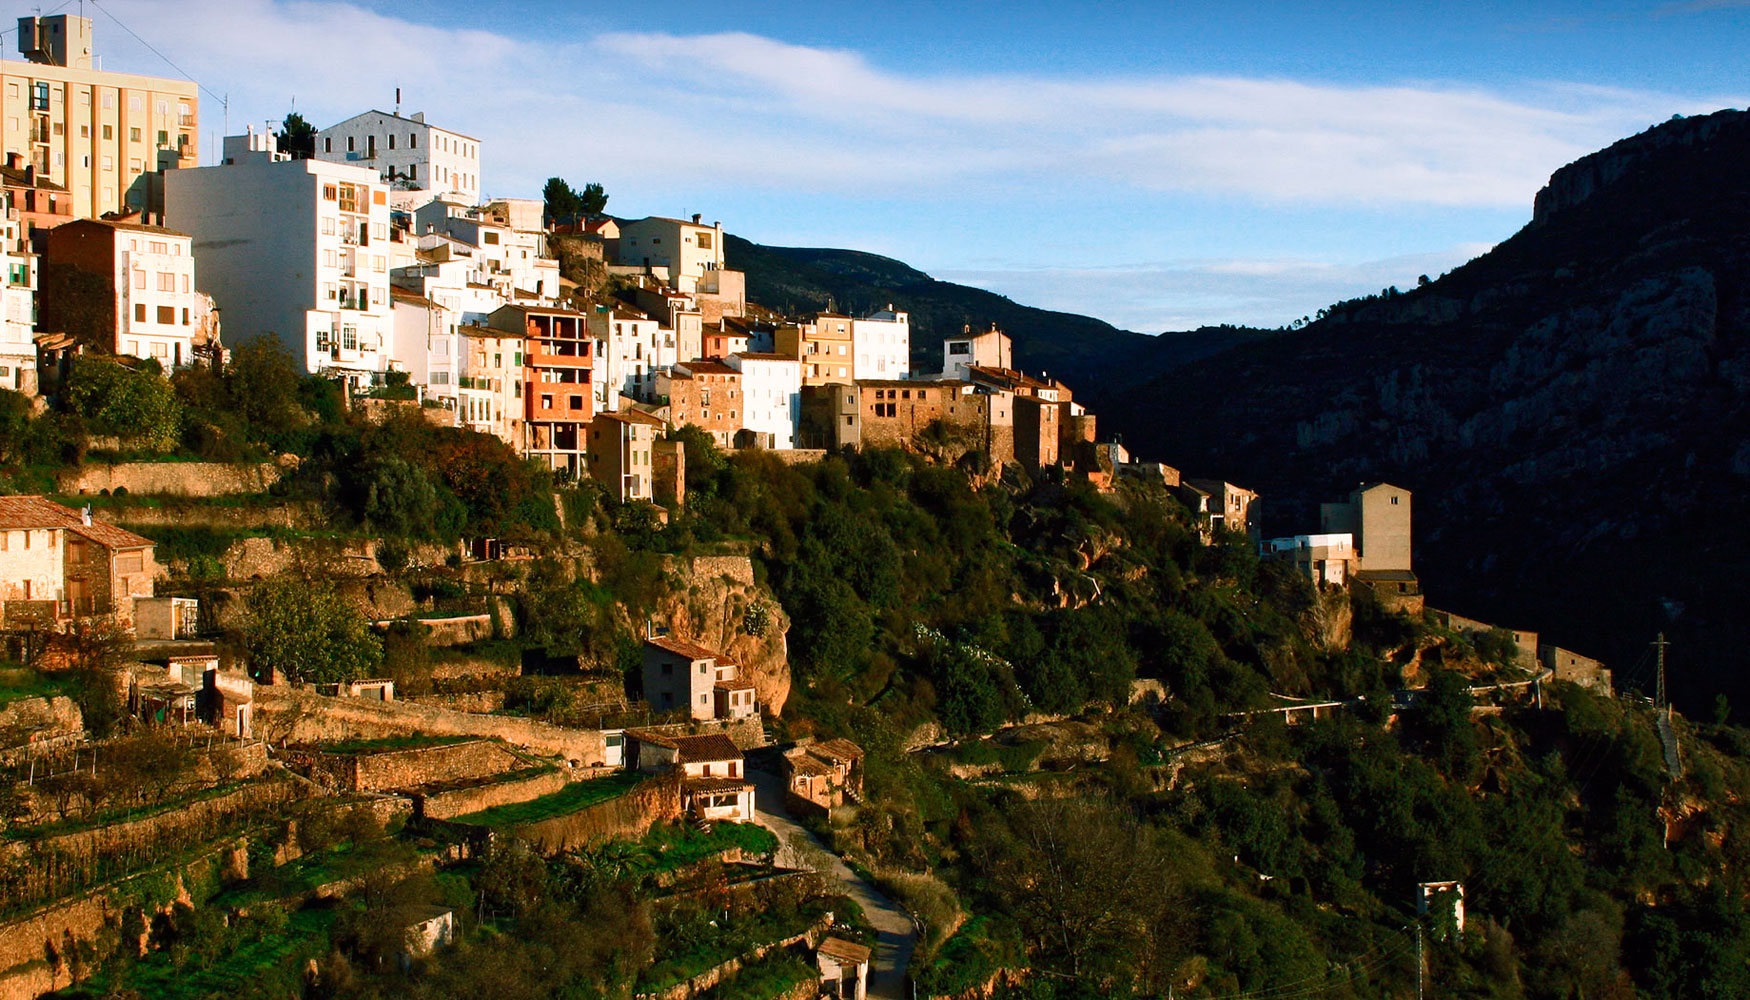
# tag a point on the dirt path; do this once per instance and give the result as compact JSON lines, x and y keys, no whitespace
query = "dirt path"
{"x":896,"y":932}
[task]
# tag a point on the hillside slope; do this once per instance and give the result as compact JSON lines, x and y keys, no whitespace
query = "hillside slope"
{"x":1570,"y":409}
{"x":1079,"y":349}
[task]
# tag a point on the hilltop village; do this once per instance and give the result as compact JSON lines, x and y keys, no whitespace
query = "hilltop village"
{"x":406,"y":589}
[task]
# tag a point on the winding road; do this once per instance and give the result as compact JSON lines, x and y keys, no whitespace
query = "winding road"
{"x":897,"y":934}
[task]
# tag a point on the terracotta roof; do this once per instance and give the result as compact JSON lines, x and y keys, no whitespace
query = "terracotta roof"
{"x":682,"y":647}
{"x":906,"y":383}
{"x":132,"y":227}
{"x":399,"y":294}
{"x":35,"y":512}
{"x":765,"y":356}
{"x":837,"y":749}
{"x":801,"y":762}
{"x":706,"y":749}
{"x":733,"y":686}
{"x":476,"y":330}
{"x":708,"y":367}
{"x":717,"y":785}
{"x":653,"y":738}
{"x":844,"y":951}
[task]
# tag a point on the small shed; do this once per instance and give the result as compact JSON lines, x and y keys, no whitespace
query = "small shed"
{"x":844,"y":968}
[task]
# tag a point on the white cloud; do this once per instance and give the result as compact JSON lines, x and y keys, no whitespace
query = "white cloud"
{"x":696,"y":112}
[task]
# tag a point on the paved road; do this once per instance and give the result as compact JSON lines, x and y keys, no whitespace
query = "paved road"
{"x":897,"y":933}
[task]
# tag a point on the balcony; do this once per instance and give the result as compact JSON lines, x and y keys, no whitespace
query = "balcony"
{"x":545,"y":359}
{"x":185,"y":120}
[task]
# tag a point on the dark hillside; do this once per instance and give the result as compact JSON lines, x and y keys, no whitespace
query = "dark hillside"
{"x":1082,"y":350}
{"x":1570,"y":409}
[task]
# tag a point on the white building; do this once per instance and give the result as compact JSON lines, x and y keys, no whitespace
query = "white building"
{"x":425,"y":345}
{"x":630,"y":350}
{"x":509,"y":259}
{"x":406,"y":153}
{"x":882,"y":343}
{"x":17,"y":309}
{"x":771,"y":397}
{"x":295,"y":249}
{"x":156,"y":309}
{"x":680,"y":253}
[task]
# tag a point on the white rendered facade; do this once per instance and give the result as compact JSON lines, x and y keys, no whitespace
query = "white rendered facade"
{"x":425,"y":345}
{"x":17,"y":310}
{"x":882,"y":345}
{"x":406,"y":152}
{"x":157,"y":307}
{"x":771,"y":397}
{"x":629,"y":353}
{"x":686,"y":251}
{"x":295,"y":249}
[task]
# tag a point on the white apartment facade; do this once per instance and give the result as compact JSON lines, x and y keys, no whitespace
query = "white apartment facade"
{"x":424,"y":344}
{"x":103,"y":136}
{"x":406,"y":153}
{"x":629,"y":352}
{"x":296,"y":249}
{"x":771,"y":397}
{"x":882,"y":345}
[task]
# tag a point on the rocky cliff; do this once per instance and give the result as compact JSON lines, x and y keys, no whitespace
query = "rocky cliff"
{"x":1570,"y":410}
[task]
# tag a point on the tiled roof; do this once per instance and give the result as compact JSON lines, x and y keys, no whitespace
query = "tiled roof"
{"x":681,"y":647}
{"x":706,"y":749}
{"x":21,"y":512}
{"x":764,"y":356}
{"x":844,"y":951}
{"x":399,"y":294}
{"x":733,"y":686}
{"x":837,"y":749}
{"x":132,"y":227}
{"x":652,"y":737}
{"x":708,"y":367}
{"x":801,"y":762}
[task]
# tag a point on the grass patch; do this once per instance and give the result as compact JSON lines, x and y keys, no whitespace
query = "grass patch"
{"x":270,"y":960}
{"x":736,"y":938}
{"x":983,"y":753}
{"x":571,"y":798}
{"x":18,"y":683}
{"x":969,"y":958}
{"x":358,"y":748}
{"x":772,"y":976}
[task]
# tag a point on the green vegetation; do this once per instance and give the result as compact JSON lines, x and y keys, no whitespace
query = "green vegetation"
{"x":573,"y":797}
{"x":306,"y":632}
{"x":18,"y":683}
{"x":386,"y":743}
{"x":772,"y":976}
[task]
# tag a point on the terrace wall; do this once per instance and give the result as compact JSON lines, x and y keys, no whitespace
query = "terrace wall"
{"x":286,"y":715}
{"x":473,"y":798}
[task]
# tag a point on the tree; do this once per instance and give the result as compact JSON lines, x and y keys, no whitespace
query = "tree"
{"x":594,"y":200}
{"x":127,"y":402}
{"x":309,"y":633}
{"x":563,"y":204}
{"x":297,"y":137}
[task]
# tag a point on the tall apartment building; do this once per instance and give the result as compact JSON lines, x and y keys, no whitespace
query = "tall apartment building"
{"x":1378,"y":514}
{"x":296,"y":249}
{"x":105,"y":137}
{"x":155,"y":309}
{"x":681,"y":253}
{"x":406,"y":153}
{"x":558,"y":382}
{"x":490,"y":389}
{"x":990,"y":349}
{"x":630,"y":349}
{"x":771,"y":398}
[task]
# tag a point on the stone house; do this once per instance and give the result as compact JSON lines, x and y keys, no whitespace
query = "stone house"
{"x":1229,"y":507}
{"x":51,"y":553}
{"x":823,"y":775}
{"x":681,"y":675}
{"x":1326,"y":560}
{"x":714,"y":783}
{"x":706,"y":394}
{"x":1576,"y":669}
{"x":1378,"y":515}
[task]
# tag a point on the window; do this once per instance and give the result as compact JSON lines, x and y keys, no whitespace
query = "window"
{"x":330,"y":192}
{"x":546,"y":401}
{"x":140,"y":280}
{"x":163,"y":138}
{"x":166,"y":316}
{"x":413,"y":140}
{"x":349,"y":144}
{"x":332,"y":292}
{"x":413,"y":171}
{"x":1394,"y":501}
{"x":391,"y":140}
{"x":109,"y":100}
{"x":349,"y":337}
{"x":134,"y":133}
{"x":159,"y":350}
{"x":959,"y":347}
{"x":134,"y":104}
{"x":108,"y":133}
{"x":163,"y":107}
{"x":701,"y":668}
{"x":185,"y":317}
{"x":84,"y":131}
{"x":490,"y":237}
{"x":328,"y":144}
{"x":328,"y":226}
{"x":39,"y":96}
{"x":130,"y":562}
{"x":139,"y":312}
{"x":166,"y":281}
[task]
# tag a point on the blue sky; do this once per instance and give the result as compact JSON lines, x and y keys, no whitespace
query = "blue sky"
{"x":1159,"y":165}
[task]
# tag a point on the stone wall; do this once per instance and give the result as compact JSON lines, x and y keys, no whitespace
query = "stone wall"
{"x":429,"y":765}
{"x":191,"y":513}
{"x":30,"y":724}
{"x":512,"y":789}
{"x":189,"y":821}
{"x":717,"y":973}
{"x":629,"y":816}
{"x":183,"y":479}
{"x":286,"y":715}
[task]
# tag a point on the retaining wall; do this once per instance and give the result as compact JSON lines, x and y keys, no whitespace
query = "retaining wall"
{"x":473,"y":798}
{"x":286,"y":715}
{"x":630,"y":816}
{"x":184,"y":479}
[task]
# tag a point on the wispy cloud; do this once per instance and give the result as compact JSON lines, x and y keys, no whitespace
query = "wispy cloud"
{"x":748,"y":110}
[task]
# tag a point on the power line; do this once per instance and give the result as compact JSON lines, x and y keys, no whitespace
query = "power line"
{"x":167,"y":60}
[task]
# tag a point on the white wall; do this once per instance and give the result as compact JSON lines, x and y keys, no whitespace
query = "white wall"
{"x":438,"y":159}
{"x":771,"y":397}
{"x":883,"y":346}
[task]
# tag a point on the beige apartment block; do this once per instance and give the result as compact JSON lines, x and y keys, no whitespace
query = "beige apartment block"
{"x":106,"y":137}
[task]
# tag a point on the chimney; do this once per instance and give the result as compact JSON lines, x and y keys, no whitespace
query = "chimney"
{"x":697,"y":216}
{"x":85,"y":515}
